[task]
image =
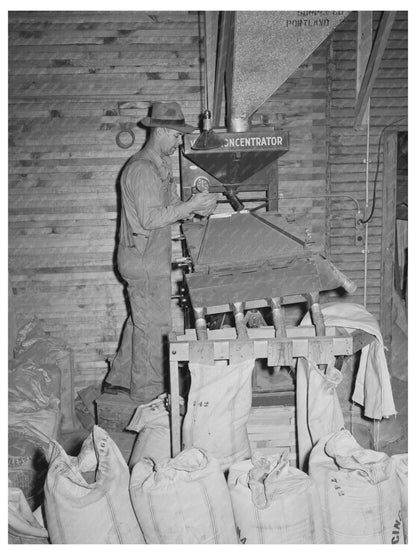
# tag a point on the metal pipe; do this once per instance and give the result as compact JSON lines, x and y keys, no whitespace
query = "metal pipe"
{"x":233,"y":199}
{"x":316,"y":312}
{"x":349,"y":285}
{"x":200,"y":324}
{"x":240,"y":325}
{"x":367,"y":167}
{"x":282,"y":196}
{"x":239,"y":124}
{"x":278,"y":317}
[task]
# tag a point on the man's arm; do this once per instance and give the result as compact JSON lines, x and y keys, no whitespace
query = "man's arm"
{"x":151,"y":213}
{"x":175,"y":199}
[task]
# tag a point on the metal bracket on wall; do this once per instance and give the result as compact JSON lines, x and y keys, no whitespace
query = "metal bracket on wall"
{"x":359,"y":229}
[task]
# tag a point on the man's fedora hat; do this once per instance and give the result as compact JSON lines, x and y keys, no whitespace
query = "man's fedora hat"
{"x":167,"y":114}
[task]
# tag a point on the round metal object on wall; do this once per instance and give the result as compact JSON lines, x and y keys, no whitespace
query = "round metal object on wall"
{"x":125,"y":138}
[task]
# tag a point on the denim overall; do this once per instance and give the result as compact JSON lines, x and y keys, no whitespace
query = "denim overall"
{"x":141,"y":362}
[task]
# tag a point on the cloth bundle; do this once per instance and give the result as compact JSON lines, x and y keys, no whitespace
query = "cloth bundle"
{"x":372,"y":388}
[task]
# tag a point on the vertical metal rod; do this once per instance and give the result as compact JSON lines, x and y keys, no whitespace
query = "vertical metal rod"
{"x":366,"y":206}
{"x":207,"y":106}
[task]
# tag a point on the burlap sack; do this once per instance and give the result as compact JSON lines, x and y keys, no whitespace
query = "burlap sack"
{"x":274,"y":503}
{"x":219,"y":405}
{"x":359,"y":492}
{"x":87,"y":497}
{"x":184,"y":500}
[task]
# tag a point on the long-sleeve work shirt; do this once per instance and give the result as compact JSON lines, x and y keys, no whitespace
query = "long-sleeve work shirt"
{"x":150,"y":205}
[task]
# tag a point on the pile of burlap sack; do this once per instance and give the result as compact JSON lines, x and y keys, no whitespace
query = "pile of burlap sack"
{"x":39,"y":406}
{"x":215,"y":491}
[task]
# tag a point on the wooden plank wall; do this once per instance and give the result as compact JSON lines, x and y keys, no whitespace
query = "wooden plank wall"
{"x":347,"y":147}
{"x":75,"y":79}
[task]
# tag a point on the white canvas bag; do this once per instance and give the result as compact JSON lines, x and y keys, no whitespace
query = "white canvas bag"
{"x":87,"y":497}
{"x":402,"y":471}
{"x":184,"y":500}
{"x":152,"y":424}
{"x":22,"y":524}
{"x":218,"y":408}
{"x":359,"y":491}
{"x":318,"y":411}
{"x":274,"y":503}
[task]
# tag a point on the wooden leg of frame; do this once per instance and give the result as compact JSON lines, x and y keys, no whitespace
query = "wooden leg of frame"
{"x":175,"y":424}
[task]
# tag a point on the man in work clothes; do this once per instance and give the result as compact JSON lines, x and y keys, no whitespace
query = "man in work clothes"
{"x":149,"y":205}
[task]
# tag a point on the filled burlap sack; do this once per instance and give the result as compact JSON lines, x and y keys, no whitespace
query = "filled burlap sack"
{"x":359,"y":492}
{"x":218,"y":408}
{"x":23,"y":527}
{"x":183,"y":500}
{"x":274,"y":503}
{"x":152,"y":424}
{"x":87,"y":497}
{"x":401,"y":464}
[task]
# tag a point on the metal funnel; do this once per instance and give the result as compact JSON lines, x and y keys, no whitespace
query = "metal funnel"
{"x":208,"y":139}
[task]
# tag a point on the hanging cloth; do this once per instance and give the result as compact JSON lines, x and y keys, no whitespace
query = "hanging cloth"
{"x":372,"y":388}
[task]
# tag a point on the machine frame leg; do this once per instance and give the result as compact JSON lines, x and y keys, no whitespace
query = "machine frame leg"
{"x":174,"y":408}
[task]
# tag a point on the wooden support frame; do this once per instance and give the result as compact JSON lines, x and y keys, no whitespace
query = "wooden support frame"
{"x":373,"y":65}
{"x":364,"y":43}
{"x":223,"y":345}
{"x":388,"y":238}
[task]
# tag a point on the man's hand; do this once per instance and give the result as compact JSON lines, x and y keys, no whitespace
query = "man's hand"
{"x":203,"y":204}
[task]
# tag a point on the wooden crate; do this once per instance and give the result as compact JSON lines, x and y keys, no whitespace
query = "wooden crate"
{"x":125,"y":442}
{"x":272,"y":429}
{"x":114,"y":412}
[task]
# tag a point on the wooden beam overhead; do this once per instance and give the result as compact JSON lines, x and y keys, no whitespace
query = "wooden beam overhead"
{"x":373,"y":65}
{"x":364,"y":44}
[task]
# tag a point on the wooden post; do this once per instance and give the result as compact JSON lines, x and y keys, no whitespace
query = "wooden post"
{"x":388,"y":237}
{"x":368,"y":80}
{"x":364,"y":44}
{"x":175,"y":425}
